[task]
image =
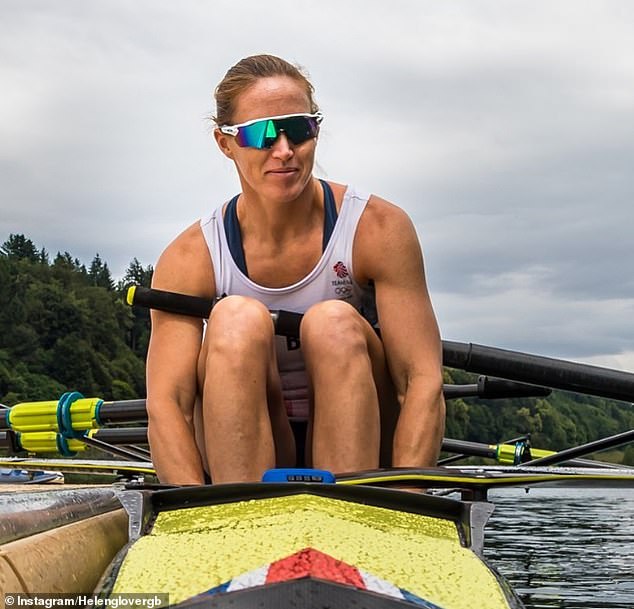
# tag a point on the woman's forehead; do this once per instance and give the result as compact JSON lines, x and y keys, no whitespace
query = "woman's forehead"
{"x":271,"y":96}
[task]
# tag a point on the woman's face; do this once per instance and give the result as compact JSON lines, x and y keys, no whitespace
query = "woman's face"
{"x":282,"y":172}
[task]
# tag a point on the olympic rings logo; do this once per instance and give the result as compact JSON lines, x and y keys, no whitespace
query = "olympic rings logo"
{"x":343,"y":291}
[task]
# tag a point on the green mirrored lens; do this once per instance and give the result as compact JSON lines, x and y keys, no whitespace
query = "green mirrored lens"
{"x":264,"y":133}
{"x":253,"y":135}
{"x":271,"y":131}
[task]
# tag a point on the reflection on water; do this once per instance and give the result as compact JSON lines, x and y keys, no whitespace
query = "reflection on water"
{"x":565,"y":548}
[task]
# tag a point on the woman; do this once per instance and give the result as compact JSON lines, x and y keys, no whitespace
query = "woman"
{"x":219,"y":399}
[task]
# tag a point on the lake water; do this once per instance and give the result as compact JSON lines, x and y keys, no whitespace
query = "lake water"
{"x":565,"y":548}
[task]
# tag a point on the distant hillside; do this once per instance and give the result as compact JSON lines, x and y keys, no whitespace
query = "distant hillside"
{"x":64,"y":326}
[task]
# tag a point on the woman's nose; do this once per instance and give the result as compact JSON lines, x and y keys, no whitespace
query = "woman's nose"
{"x":282,"y":147}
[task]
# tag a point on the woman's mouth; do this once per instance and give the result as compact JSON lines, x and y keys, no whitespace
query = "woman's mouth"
{"x":283,"y":170}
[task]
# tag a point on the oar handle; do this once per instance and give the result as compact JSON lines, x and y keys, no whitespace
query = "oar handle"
{"x":171,"y":302}
{"x":286,"y":323}
{"x":524,"y":367}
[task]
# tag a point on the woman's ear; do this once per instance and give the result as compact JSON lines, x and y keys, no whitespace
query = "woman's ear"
{"x":223,"y":143}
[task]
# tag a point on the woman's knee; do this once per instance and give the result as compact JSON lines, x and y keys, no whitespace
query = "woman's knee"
{"x":333,"y":327}
{"x":238,"y":324}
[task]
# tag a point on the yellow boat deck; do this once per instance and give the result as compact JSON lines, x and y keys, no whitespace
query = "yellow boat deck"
{"x":190,"y":551}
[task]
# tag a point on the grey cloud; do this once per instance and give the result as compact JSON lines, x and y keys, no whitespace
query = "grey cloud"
{"x":506,"y":132}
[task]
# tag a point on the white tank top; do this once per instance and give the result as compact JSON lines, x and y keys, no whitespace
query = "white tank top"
{"x":332,"y":278}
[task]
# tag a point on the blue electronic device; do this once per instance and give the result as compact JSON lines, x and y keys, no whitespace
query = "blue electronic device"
{"x":319,"y":476}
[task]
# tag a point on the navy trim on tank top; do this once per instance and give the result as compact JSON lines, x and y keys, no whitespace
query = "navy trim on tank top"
{"x":234,"y":237}
{"x":330,"y":214}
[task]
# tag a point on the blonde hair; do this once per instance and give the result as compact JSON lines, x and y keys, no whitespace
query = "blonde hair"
{"x":245,"y":73}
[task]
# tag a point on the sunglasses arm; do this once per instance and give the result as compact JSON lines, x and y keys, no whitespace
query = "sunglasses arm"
{"x":228,"y":130}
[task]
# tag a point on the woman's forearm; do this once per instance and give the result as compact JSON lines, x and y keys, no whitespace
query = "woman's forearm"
{"x":420,"y":426}
{"x":175,"y":454}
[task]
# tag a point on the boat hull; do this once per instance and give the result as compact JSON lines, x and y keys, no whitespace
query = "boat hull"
{"x":315,"y":545}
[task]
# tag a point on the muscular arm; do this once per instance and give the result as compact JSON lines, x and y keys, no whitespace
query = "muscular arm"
{"x":172,"y":362}
{"x":387,"y":251}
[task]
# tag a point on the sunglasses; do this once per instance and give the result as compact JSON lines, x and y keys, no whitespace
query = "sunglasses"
{"x":262,"y":133}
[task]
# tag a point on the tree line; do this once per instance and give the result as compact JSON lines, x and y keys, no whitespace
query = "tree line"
{"x":65,"y":326}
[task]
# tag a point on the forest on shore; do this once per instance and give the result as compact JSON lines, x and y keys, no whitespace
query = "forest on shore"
{"x":65,"y":326}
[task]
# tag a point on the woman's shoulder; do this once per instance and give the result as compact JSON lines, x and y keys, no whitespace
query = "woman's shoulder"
{"x":383,"y":226}
{"x":185,"y":264}
{"x":381,"y":214}
{"x":188,"y":242}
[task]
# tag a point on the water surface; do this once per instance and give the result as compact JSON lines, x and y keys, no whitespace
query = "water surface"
{"x":565,"y":548}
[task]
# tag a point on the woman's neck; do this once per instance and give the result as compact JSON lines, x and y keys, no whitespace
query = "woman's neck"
{"x":280,"y":221}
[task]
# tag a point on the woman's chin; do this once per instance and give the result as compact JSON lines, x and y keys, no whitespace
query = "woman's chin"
{"x":285,"y":187}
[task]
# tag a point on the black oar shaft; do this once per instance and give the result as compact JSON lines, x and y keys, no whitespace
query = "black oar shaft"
{"x":122,"y":411}
{"x":127,"y":411}
{"x":556,"y":373}
{"x":493,"y":388}
{"x":585,"y":449}
{"x":490,"y":451}
{"x":123,"y":435}
{"x":472,"y":449}
{"x":11,"y":441}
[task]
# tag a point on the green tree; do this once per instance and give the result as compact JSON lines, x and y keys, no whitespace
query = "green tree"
{"x":137,"y":274}
{"x":64,"y":328}
{"x":99,"y":274}
{"x":19,"y":247}
{"x":139,"y":330}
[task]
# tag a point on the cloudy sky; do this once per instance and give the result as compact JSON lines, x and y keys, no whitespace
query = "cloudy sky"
{"x":504,"y":128}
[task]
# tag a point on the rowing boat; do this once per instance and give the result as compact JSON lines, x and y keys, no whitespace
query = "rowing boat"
{"x":299,"y":538}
